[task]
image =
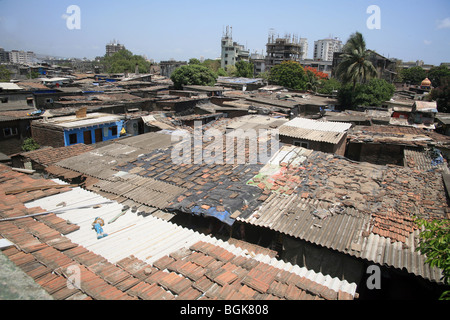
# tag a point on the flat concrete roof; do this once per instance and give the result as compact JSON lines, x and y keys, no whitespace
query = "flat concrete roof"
{"x":91,"y":119}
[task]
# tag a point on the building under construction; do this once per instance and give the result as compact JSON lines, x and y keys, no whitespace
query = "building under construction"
{"x":113,"y":47}
{"x":288,"y":48}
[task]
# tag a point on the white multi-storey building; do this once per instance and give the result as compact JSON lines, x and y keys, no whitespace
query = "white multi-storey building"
{"x":21,"y":57}
{"x":232,"y":52}
{"x":304,"y":48}
{"x":325,"y":48}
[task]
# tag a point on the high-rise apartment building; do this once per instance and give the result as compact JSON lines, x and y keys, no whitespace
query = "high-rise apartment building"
{"x":325,"y":48}
{"x":232,"y":52}
{"x":113,"y":47}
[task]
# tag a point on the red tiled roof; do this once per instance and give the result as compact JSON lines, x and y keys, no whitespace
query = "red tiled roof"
{"x":50,"y":155}
{"x":198,"y":272}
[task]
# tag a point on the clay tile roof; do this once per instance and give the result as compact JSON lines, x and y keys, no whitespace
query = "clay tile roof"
{"x":49,"y":155}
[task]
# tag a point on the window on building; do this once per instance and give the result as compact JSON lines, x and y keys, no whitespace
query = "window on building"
{"x":73,"y":138}
{"x":4,"y":99}
{"x":8,"y":132}
{"x":302,"y":144}
{"x":113,"y":130}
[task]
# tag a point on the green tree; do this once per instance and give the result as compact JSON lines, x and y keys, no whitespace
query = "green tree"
{"x":441,"y":95}
{"x":29,"y":145}
{"x":330,"y":86}
{"x":264,"y":75}
{"x":125,"y":61}
{"x":33,"y":75}
{"x":312,"y":82}
{"x":221,"y":72}
{"x":213,"y":65}
{"x":5,"y":74}
{"x":244,"y":69}
{"x":413,"y":75}
{"x":372,"y":93}
{"x":231,"y":71}
{"x":194,"y":61}
{"x":437,"y":74}
{"x":355,"y":66}
{"x":193,"y":75}
{"x":434,"y":243}
{"x":289,"y":74}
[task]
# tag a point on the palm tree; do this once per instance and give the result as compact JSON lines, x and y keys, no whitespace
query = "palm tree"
{"x":355,"y":65}
{"x":312,"y":81}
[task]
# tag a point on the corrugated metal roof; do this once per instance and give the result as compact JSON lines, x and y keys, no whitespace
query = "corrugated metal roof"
{"x":420,"y":160}
{"x":344,"y":232}
{"x":311,"y":124}
{"x":308,"y":129}
{"x":149,"y":238}
{"x":310,"y":134}
{"x":142,"y":190}
{"x":9,"y":86}
{"x":293,"y":215}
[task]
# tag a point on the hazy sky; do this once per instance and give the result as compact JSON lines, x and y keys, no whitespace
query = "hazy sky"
{"x":161,"y":30}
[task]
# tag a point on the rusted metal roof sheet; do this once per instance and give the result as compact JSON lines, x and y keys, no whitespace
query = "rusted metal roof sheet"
{"x":142,"y":190}
{"x":348,"y":231}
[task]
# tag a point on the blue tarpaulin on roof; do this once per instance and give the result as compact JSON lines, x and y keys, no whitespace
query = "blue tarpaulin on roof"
{"x":223,"y":216}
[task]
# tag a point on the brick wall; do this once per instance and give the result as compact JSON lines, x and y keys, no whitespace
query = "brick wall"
{"x":47,"y":136}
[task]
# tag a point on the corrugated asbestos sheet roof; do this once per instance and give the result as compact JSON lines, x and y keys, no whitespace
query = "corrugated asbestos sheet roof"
{"x":311,"y":124}
{"x":312,"y":135}
{"x":308,"y":129}
{"x":149,"y":258}
{"x":143,"y":192}
{"x":339,"y":228}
